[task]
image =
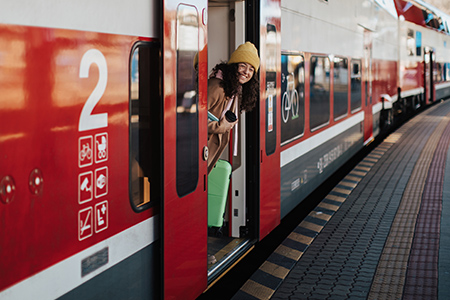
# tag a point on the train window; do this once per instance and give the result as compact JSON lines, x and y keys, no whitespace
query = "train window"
{"x":145,"y":125}
{"x":410,"y":42}
{"x":447,"y":72}
{"x":418,"y":43}
{"x":319,"y":92}
{"x":293,"y":97}
{"x":340,"y":90}
{"x":438,"y":73}
{"x":187,"y":153}
{"x":271,"y":89}
{"x":355,"y":85}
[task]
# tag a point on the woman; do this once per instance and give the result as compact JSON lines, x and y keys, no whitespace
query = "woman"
{"x":232,"y":86}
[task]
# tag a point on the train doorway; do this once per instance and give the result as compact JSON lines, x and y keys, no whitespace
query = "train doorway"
{"x":230,"y":241}
{"x":253,"y":208}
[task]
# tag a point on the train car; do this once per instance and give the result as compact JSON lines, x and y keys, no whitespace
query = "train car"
{"x":348,"y":60}
{"x":424,"y":54}
{"x":103,"y":132}
{"x":73,"y":224}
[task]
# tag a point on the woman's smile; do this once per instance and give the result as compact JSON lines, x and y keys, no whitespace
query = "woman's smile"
{"x":245,"y":72}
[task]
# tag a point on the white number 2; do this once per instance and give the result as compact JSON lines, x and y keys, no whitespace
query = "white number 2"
{"x":88,"y":120}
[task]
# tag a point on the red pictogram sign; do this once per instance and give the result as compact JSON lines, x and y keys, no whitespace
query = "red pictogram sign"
{"x":101,"y":216}
{"x":101,"y":147}
{"x":101,"y":182}
{"x":85,"y":152}
{"x":85,"y":187}
{"x":85,"y":223}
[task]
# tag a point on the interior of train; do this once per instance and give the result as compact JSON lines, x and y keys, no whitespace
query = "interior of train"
{"x":225,"y":34}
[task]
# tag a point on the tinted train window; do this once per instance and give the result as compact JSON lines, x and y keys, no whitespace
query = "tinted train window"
{"x":187,"y":101}
{"x":355,"y":85}
{"x":447,"y":72}
{"x":271,"y":89}
{"x":418,"y":43}
{"x":340,"y":77}
{"x":438,"y":75}
{"x":319,"y":92}
{"x":145,"y":125}
{"x":411,"y":43}
{"x":293,"y":97}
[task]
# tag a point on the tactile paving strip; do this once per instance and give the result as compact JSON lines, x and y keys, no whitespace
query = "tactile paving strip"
{"x":389,"y":280}
{"x":422,"y":276}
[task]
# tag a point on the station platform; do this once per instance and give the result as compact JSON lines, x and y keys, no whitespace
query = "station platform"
{"x":382,"y":233}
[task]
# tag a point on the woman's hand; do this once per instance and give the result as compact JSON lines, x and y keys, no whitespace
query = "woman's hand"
{"x":227,"y":125}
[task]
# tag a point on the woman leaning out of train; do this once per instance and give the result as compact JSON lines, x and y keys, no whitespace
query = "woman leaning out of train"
{"x":232,"y":87}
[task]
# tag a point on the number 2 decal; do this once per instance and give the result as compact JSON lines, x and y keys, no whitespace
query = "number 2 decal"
{"x":88,"y":120}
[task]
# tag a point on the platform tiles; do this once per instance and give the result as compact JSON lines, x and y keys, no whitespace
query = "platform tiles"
{"x":376,"y":235}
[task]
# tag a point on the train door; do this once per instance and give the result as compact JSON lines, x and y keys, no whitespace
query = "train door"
{"x":368,"y":114}
{"x":270,"y":125}
{"x":184,"y":209}
{"x":428,"y":75}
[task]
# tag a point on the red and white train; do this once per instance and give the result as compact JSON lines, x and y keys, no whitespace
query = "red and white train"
{"x":103,"y":129}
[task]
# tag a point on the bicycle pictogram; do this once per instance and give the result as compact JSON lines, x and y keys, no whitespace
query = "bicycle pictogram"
{"x":290,"y":100}
{"x":86,"y":152}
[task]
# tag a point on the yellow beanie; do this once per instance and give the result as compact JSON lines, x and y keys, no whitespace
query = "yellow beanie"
{"x":245,"y":53}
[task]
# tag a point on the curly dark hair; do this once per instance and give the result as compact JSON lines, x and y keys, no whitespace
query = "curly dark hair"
{"x":231,"y":86}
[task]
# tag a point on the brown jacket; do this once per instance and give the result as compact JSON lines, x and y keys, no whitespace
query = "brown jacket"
{"x":218,"y":136}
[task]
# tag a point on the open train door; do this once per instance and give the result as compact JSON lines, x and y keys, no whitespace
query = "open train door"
{"x":184,"y":207}
{"x":269,"y":33}
{"x":368,"y":105}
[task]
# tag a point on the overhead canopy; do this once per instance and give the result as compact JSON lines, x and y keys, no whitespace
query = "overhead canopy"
{"x":423,"y":14}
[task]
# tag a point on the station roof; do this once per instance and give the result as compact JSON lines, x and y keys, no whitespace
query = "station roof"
{"x":423,"y":14}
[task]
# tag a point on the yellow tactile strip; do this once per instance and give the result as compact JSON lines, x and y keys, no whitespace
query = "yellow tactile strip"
{"x":269,"y":276}
{"x":390,"y":275}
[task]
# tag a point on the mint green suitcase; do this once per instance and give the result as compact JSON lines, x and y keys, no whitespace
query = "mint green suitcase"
{"x":218,"y":184}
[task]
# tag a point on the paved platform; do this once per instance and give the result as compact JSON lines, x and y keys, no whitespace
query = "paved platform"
{"x":382,"y":233}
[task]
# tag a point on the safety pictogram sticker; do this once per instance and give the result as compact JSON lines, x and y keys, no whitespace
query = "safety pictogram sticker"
{"x":85,"y":187}
{"x":85,"y":229}
{"x":85,"y":155}
{"x":101,"y":182}
{"x":101,"y":147}
{"x":101,"y":216}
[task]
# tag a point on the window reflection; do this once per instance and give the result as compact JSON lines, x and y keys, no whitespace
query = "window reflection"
{"x":145,"y":122}
{"x":340,"y":77}
{"x":355,"y":85}
{"x":411,"y":43}
{"x":187,"y":101}
{"x":319,"y":91}
{"x":293,"y":97}
{"x":271,"y":89}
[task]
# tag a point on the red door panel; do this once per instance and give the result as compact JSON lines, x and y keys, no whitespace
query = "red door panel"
{"x":184,"y":226}
{"x":270,"y":53}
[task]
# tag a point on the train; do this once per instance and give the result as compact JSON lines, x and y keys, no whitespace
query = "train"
{"x":103,"y":129}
